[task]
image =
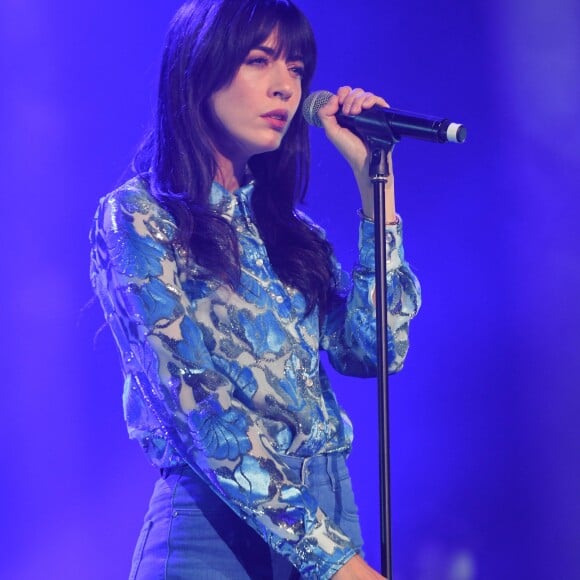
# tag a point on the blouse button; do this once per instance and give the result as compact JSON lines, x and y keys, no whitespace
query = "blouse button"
{"x":279,"y":299}
{"x":309,"y":382}
{"x":259,"y":262}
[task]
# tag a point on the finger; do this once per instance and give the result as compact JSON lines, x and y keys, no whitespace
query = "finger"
{"x":371,"y":100}
{"x":351,"y":100}
{"x":342,"y":93}
{"x":358,"y":102}
{"x":331,"y":107}
{"x":327,"y":113}
{"x":368,"y":100}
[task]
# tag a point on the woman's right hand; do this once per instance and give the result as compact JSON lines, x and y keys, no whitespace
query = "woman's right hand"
{"x":357,"y":569}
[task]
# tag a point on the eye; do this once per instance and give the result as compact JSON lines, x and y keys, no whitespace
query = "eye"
{"x":259,"y":61}
{"x":297,"y":70}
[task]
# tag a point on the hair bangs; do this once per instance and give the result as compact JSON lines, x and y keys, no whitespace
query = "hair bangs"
{"x":293,"y":34}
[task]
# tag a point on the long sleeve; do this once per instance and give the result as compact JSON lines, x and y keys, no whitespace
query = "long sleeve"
{"x":180,"y":402}
{"x":349,"y":330}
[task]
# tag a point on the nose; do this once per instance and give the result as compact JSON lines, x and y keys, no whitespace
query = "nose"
{"x":285,"y":95}
{"x":282,"y":83}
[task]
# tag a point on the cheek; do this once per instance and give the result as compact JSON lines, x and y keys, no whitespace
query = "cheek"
{"x":295,"y":110}
{"x":215,"y":105}
{"x":222,"y":107}
{"x":298,"y":103}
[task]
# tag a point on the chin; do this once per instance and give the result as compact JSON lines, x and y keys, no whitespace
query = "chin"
{"x":268,"y":148}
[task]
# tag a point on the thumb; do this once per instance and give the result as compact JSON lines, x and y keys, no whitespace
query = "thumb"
{"x":327,"y":114}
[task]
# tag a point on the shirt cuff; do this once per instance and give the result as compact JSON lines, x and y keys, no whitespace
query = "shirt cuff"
{"x":317,"y":564}
{"x":394,"y":239}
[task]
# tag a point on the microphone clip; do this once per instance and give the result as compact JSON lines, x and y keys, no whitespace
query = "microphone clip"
{"x":378,"y":165}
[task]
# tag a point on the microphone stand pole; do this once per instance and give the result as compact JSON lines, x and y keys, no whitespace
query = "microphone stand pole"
{"x":379,"y":174}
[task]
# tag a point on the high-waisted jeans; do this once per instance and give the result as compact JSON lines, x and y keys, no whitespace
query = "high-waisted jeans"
{"x":189,"y":533}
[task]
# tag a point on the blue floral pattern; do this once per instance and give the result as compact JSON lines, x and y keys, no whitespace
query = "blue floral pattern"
{"x":229,"y":381}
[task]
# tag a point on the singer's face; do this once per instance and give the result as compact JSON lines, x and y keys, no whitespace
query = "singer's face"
{"x":256,"y":108}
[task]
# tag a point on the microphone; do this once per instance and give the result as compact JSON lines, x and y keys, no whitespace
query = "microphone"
{"x":386,"y":125}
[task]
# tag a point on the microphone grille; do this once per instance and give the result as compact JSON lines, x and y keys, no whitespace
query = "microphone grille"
{"x":312,"y":104}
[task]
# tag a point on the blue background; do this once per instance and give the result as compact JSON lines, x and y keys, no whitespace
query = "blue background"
{"x":485,"y":436}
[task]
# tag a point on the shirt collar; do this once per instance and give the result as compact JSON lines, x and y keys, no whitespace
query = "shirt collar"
{"x":224,"y":201}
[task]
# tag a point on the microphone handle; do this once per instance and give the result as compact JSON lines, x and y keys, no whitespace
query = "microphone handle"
{"x":372,"y":123}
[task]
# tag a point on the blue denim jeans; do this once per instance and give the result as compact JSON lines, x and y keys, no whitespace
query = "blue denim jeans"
{"x":189,"y":533}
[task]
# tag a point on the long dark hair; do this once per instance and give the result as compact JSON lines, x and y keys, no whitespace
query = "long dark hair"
{"x":206,"y":44}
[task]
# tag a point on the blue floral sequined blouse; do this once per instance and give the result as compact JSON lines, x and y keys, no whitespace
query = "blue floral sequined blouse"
{"x":229,"y":381}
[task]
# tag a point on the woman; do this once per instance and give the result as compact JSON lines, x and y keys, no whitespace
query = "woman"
{"x":220,"y":296}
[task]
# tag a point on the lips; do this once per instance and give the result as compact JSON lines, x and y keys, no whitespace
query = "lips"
{"x":277,"y":119}
{"x":280,"y":114}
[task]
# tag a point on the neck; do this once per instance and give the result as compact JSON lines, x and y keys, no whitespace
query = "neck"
{"x":230,"y":173}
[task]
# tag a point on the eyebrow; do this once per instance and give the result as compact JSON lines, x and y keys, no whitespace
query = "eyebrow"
{"x":276,"y":53}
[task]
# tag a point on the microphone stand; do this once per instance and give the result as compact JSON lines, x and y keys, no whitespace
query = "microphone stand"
{"x":379,"y":174}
